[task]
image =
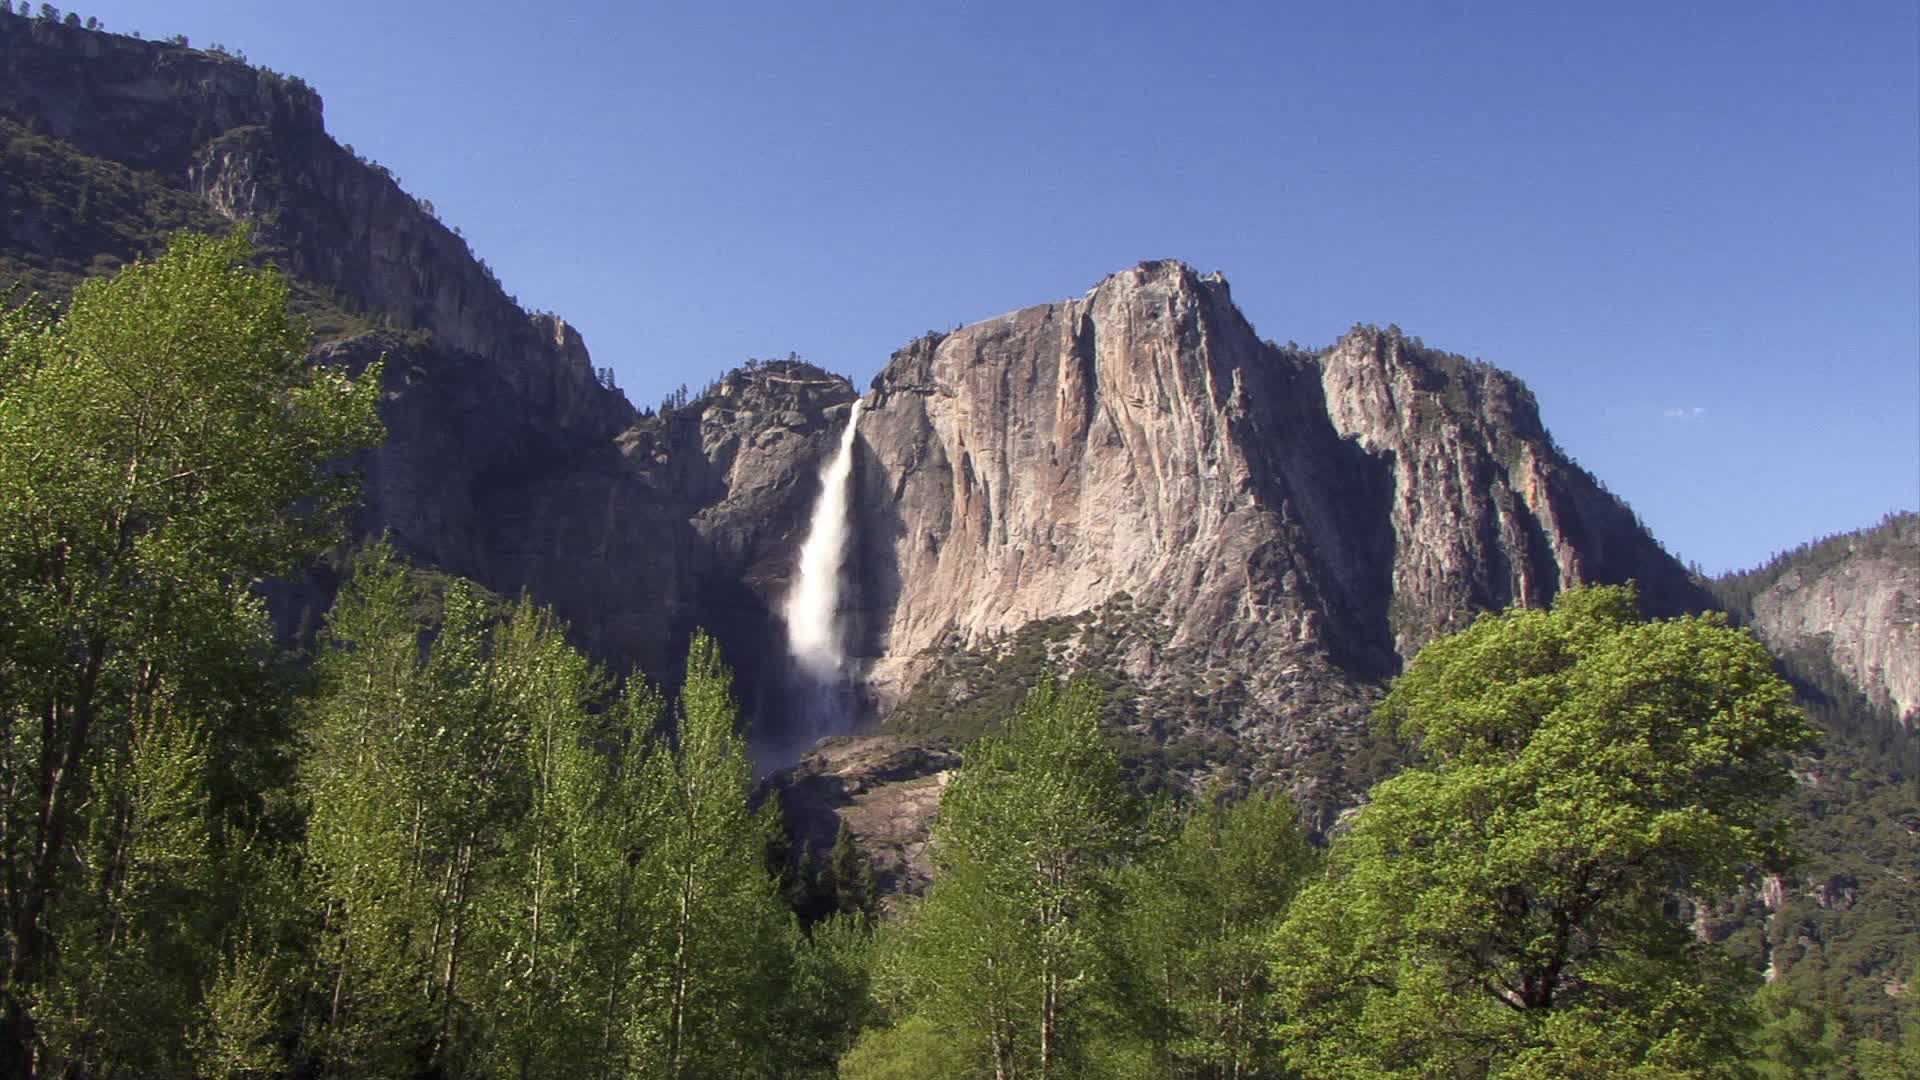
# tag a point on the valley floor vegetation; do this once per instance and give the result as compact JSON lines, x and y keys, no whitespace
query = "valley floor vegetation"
{"x":445,"y":845}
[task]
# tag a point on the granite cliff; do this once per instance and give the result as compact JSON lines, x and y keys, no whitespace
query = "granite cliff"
{"x":1848,"y":607}
{"x":1275,"y":521}
{"x":1270,"y":513}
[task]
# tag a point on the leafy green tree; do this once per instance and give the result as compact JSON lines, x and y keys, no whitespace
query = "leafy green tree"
{"x":473,"y":846}
{"x":367,"y":839}
{"x":1795,"y":1039}
{"x":1202,"y":909}
{"x":541,"y":1011}
{"x":164,"y":445}
{"x":450,"y":837}
{"x":825,"y":1002}
{"x":1502,"y":909}
{"x":609,"y":966}
{"x":708,"y":986}
{"x":1009,"y":956}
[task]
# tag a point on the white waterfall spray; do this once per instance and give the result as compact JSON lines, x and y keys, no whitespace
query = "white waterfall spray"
{"x":813,"y":604}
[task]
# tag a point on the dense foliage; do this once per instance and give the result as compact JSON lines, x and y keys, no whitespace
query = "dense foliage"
{"x":1502,"y":908}
{"x":162,"y":448}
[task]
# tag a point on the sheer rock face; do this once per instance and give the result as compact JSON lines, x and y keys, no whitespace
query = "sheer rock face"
{"x":1861,"y":610}
{"x":1284,"y":513}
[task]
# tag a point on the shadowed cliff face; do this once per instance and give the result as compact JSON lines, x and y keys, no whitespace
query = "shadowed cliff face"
{"x":506,"y":460}
{"x":686,"y":520}
{"x":252,"y":147}
{"x":502,"y":461}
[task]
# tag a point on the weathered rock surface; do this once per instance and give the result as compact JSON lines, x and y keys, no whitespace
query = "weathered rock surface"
{"x":253,"y":147}
{"x":886,"y":790}
{"x":1855,"y":600}
{"x":1290,"y":518}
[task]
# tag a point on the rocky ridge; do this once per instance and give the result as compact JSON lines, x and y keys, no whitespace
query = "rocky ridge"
{"x":252,"y":146}
{"x":1849,"y":602}
{"x":1285,"y":517}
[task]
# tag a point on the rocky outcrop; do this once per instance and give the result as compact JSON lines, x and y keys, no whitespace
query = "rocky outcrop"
{"x":885,"y":791}
{"x":742,"y":465}
{"x":346,"y":226}
{"x":1852,"y":601}
{"x":1486,"y":512}
{"x":147,"y":105}
{"x":685,"y":520}
{"x":1292,"y":520}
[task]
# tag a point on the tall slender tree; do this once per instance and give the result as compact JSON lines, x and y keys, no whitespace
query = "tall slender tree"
{"x":1006,"y":957}
{"x":1202,"y":908}
{"x":709,"y":988}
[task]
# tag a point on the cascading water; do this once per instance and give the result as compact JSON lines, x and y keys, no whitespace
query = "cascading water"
{"x":814,"y":632}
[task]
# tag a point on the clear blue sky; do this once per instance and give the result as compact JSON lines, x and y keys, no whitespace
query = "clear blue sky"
{"x":1694,"y":229}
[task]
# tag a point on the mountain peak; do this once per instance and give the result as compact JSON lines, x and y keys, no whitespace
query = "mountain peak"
{"x":1166,"y":274}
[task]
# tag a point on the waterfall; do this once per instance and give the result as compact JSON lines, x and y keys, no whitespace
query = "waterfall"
{"x":814,"y":633}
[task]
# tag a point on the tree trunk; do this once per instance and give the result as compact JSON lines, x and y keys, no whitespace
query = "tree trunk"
{"x":682,"y":950}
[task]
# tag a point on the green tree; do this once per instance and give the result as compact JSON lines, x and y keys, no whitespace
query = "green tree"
{"x":474,"y":850}
{"x":849,"y":876}
{"x":708,"y":986}
{"x":1202,"y":909}
{"x":825,"y":1003}
{"x":164,"y":445}
{"x":610,"y":968}
{"x":366,"y":858}
{"x":1503,"y":908}
{"x":1008,"y":956}
{"x":1795,"y":1039}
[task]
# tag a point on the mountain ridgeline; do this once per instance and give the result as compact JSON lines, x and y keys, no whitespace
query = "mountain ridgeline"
{"x":1272,"y":520}
{"x":1242,"y":542}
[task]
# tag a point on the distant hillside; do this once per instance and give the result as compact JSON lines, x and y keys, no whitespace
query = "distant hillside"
{"x":1843,"y":614}
{"x":1849,"y":603}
